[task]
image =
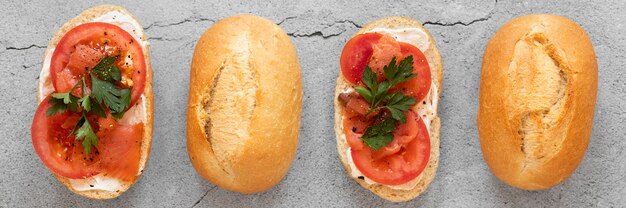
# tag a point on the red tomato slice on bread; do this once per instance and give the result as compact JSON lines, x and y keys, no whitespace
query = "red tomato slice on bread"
{"x":85,"y":45}
{"x":117,"y":154}
{"x":61,"y":153}
{"x":120,"y":151}
{"x":355,"y":55}
{"x":419,"y":86}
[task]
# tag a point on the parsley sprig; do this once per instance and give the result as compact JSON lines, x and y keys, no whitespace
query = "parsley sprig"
{"x":379,"y":135}
{"x":104,"y":95}
{"x":378,"y":96}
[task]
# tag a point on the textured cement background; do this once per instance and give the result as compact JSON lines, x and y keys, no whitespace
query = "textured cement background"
{"x":319,"y":31}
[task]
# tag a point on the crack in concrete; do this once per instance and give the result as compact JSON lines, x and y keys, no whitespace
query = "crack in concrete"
{"x":340,"y":21}
{"x":164,"y":39}
{"x":482,"y":19}
{"x":458,"y":22}
{"x":346,"y":21}
{"x":162,"y":25}
{"x":187,"y":44}
{"x":29,"y":66}
{"x":205,"y":194}
{"x":186,"y":20}
{"x":24,"y":48}
{"x":316,"y":33}
{"x":288,"y":18}
{"x":320,"y":32}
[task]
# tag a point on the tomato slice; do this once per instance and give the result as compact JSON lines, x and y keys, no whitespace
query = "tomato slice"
{"x":353,"y":127}
{"x":120,"y":151}
{"x":419,"y":86}
{"x":117,"y":154}
{"x":85,"y":45}
{"x":355,"y":56}
{"x":401,"y":160}
{"x":58,"y":151}
{"x":383,"y":52}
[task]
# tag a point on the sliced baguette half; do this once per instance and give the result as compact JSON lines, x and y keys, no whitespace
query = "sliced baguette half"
{"x":90,"y":15}
{"x":434,"y":59}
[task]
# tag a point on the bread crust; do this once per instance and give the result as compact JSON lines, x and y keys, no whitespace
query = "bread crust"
{"x":88,"y":16}
{"x":245,"y":99}
{"x":433,"y":57}
{"x":537,"y":95}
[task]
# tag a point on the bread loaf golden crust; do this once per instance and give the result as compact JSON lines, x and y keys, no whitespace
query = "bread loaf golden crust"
{"x":537,"y":96}
{"x":432,"y":55}
{"x":245,"y":99}
{"x":88,"y":16}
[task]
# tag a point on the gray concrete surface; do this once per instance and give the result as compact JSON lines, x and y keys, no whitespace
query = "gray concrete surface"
{"x":319,"y":30}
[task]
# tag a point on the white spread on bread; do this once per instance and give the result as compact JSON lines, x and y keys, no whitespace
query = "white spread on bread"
{"x":97,"y":182}
{"x":45,"y":82}
{"x":426,"y":109}
{"x":134,"y":115}
{"x":126,"y":22}
{"x":414,"y":36}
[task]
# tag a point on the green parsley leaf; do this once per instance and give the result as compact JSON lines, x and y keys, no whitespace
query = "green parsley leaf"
{"x":85,"y":102}
{"x":397,"y":104}
{"x":402,"y":72}
{"x":373,"y":93}
{"x":105,"y":71}
{"x":97,"y":108}
{"x":85,"y":133}
{"x":365,"y":93}
{"x":125,"y":97}
{"x":369,"y":78}
{"x":66,"y":97}
{"x":107,"y":93}
{"x":61,"y":102}
{"x":58,"y":106}
{"x":379,"y":135}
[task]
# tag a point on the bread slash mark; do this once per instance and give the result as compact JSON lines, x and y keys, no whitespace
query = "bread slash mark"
{"x":538,"y":96}
{"x":230,"y":105}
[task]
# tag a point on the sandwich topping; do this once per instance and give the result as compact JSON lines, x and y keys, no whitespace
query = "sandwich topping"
{"x":92,"y":85}
{"x":383,"y":124}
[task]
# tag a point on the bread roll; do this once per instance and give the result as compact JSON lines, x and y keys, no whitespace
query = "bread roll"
{"x":245,"y":98}
{"x":436,"y":68}
{"x":91,"y":15}
{"x":537,"y":94}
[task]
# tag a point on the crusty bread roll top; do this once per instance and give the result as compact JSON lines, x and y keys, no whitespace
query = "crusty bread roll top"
{"x":245,"y":98}
{"x":537,"y":96}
